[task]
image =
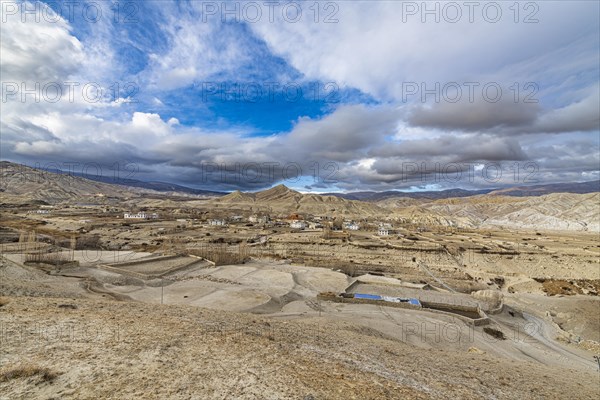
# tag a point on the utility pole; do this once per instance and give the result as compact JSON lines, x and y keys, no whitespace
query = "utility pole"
{"x":162,"y":290}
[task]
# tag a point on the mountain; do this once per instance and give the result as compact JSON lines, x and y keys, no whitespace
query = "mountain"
{"x":517,"y":191}
{"x":378,"y":196}
{"x":151,"y":185}
{"x":22,"y":184}
{"x":510,"y":208}
{"x":277,"y":193}
{"x":281,"y":199}
{"x":555,"y":211}
{"x":563,"y":211}
{"x":237,"y":197}
{"x":540,"y":190}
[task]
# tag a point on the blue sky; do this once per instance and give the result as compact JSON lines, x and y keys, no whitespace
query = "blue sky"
{"x":192,"y":88}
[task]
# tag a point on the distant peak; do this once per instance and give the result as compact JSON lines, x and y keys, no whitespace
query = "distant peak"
{"x":278,"y":192}
{"x":281,"y":188}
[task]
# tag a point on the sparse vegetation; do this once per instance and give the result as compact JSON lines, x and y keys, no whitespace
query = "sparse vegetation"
{"x":494,"y":333}
{"x":28,"y":370}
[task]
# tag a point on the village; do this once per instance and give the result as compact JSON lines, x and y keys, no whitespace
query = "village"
{"x":416,"y":260}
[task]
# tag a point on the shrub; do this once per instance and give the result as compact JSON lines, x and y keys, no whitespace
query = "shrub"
{"x":25,"y":371}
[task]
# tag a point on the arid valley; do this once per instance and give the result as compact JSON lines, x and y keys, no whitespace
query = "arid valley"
{"x":107,"y":289}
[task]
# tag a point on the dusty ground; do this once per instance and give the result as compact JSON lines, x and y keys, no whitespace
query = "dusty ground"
{"x":253,"y":287}
{"x":81,"y":344}
{"x":108,"y":349}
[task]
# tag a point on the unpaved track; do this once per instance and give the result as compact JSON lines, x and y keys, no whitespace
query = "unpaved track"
{"x":545,"y":334}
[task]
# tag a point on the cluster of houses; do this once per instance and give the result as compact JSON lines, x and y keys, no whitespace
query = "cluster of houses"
{"x":294,"y":221}
{"x":347,"y":225}
{"x":352,"y":226}
{"x":42,"y":210}
{"x":300,"y":222}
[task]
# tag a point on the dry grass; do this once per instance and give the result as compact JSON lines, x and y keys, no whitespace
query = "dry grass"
{"x":554,"y":287}
{"x":494,"y":333}
{"x":8,"y":373}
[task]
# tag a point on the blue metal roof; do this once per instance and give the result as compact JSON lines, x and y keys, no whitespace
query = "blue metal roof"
{"x":416,"y":302}
{"x":367,"y":296}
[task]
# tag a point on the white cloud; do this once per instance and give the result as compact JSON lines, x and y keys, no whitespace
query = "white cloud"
{"x":372,"y":49}
{"x":43,"y":51}
{"x":196,"y":51}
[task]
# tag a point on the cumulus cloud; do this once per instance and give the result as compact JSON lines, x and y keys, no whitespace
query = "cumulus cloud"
{"x":43,"y":51}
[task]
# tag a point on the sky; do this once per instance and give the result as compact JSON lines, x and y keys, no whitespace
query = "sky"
{"x":330,"y":96}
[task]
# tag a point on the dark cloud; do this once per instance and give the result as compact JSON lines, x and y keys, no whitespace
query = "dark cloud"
{"x":343,"y":135}
{"x":450,"y":148}
{"x":581,"y":116}
{"x":508,"y":117}
{"x":474,"y":117}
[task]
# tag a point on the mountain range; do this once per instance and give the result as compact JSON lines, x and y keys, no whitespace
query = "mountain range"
{"x":517,"y":191}
{"x":568,"y":206}
{"x":372,"y":196}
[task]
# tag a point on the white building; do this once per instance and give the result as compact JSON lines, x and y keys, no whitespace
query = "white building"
{"x":352,"y":226}
{"x":259,"y":219}
{"x":383,"y":231}
{"x":140,"y":215}
{"x":298,"y":225}
{"x":315,"y":225}
{"x":217,"y":222}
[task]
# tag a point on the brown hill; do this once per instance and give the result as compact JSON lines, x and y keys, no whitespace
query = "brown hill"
{"x":560,"y":211}
{"x":21,"y":184}
{"x":283,"y":200}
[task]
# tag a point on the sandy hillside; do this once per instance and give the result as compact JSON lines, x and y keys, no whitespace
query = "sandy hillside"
{"x":106,"y":349}
{"x":556,"y":211}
